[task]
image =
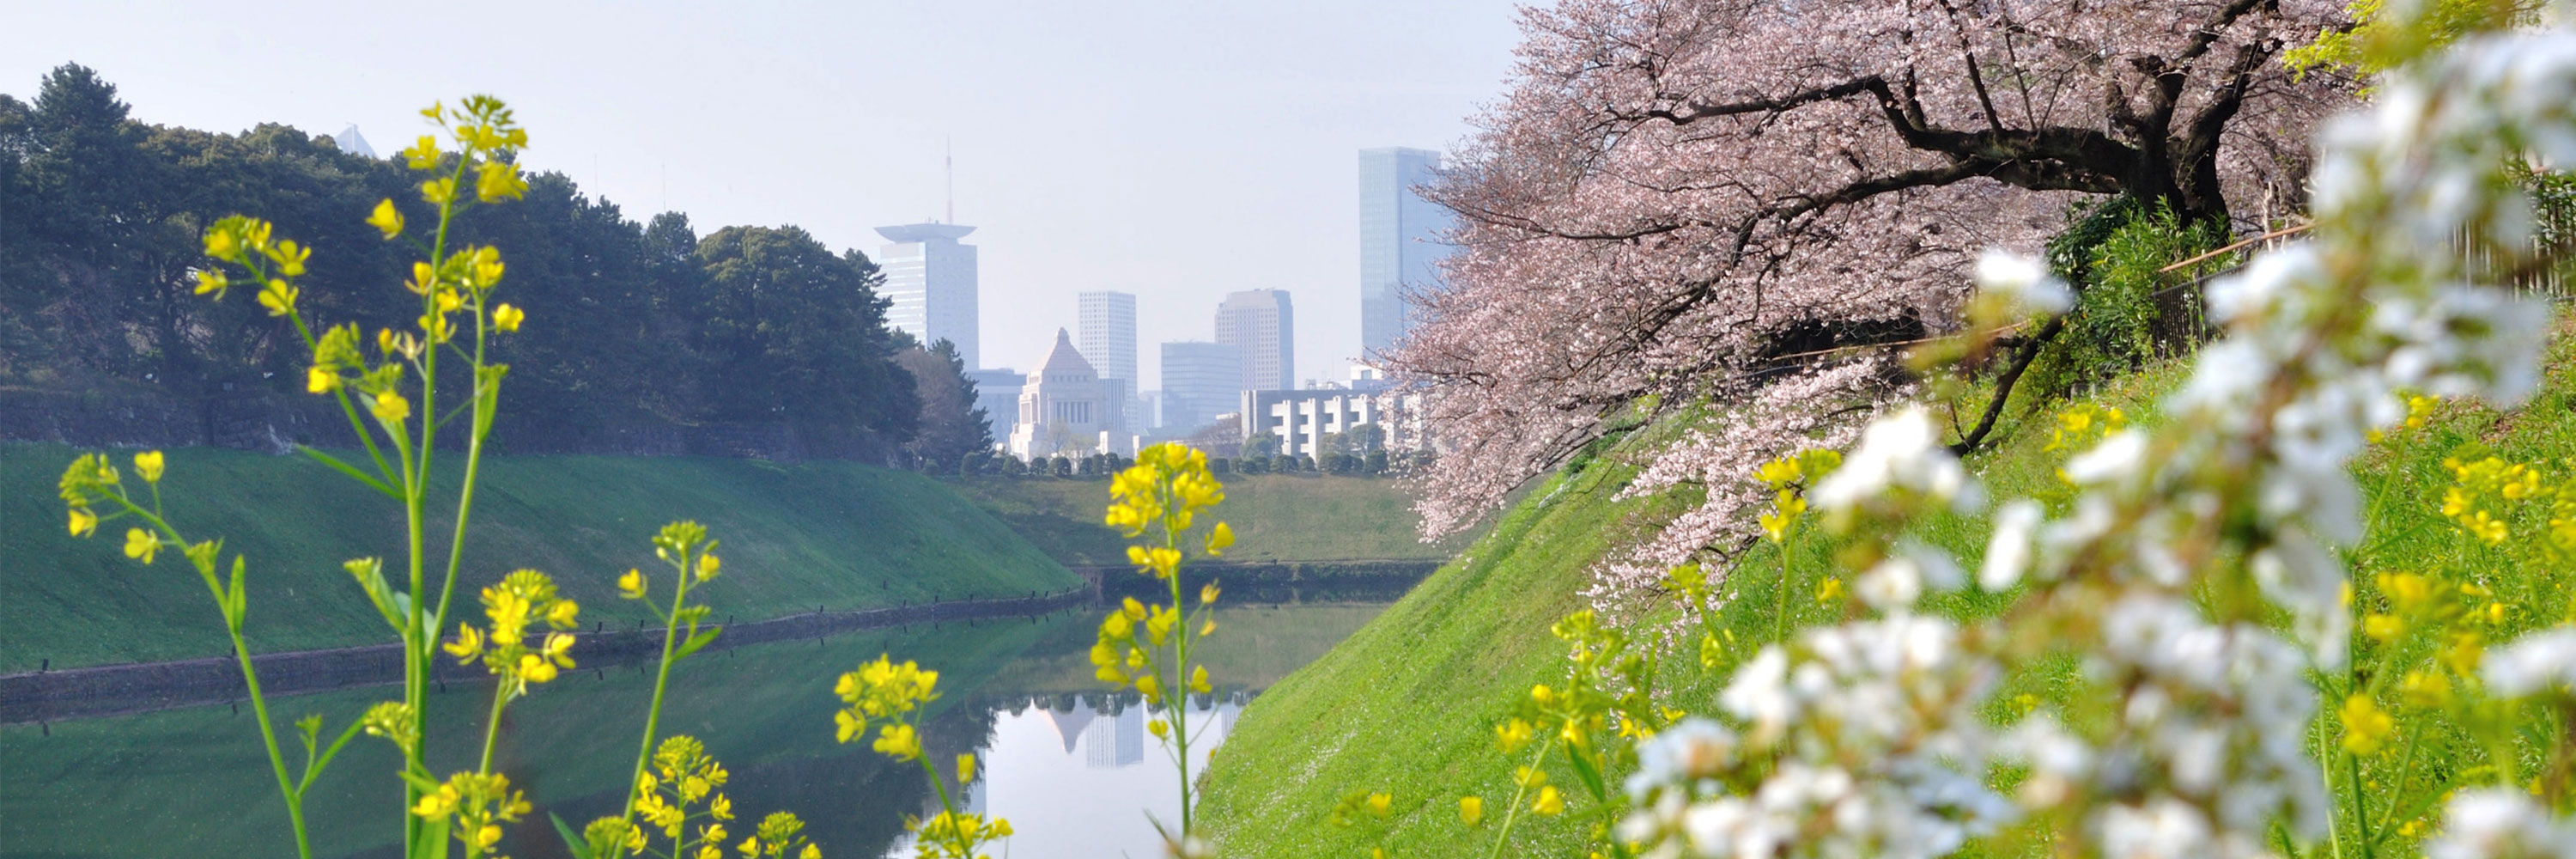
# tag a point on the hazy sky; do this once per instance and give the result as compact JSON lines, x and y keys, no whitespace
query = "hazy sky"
{"x":1176,"y":150}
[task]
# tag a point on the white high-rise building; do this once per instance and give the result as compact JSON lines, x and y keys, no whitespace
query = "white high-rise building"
{"x":1401,"y":240}
{"x":1262,"y":327}
{"x":1200,"y":381}
{"x":930,"y":278}
{"x":1105,"y":331}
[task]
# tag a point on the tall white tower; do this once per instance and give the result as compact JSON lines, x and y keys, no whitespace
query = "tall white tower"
{"x":930,"y":278}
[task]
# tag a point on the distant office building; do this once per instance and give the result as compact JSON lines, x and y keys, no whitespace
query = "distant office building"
{"x":1401,"y":241}
{"x":930,"y":277}
{"x":1064,"y":408}
{"x":997,"y":392}
{"x":1149,"y":410}
{"x":1200,"y":382}
{"x":1105,"y":331}
{"x":1301,"y":419}
{"x":350,"y":141}
{"x":1262,"y":327}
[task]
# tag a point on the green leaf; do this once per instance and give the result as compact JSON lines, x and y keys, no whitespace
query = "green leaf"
{"x":573,"y":842}
{"x":236,"y":602}
{"x":697,"y":640}
{"x":1584,"y":769}
{"x":350,"y":470}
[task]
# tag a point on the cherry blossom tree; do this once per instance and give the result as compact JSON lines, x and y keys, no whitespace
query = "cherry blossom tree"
{"x":1698,"y":201}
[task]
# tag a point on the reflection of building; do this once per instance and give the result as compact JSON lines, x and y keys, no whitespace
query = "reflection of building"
{"x":1116,"y":741}
{"x":1070,"y":722}
{"x":1400,"y":241}
{"x":1262,"y":328}
{"x":1200,"y":381}
{"x":1064,"y":408}
{"x":930,"y":280}
{"x":1301,"y":419}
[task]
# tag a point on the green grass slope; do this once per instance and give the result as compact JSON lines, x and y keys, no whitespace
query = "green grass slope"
{"x":1276,"y":517}
{"x":795,"y":537}
{"x":1407,"y":705}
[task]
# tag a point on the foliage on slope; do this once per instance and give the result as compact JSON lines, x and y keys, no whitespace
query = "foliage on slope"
{"x":1408,"y":704}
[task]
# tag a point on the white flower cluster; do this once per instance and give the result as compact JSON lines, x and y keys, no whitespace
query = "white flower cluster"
{"x":1847,"y":713}
{"x":2494,"y":823}
{"x":1866,"y":738}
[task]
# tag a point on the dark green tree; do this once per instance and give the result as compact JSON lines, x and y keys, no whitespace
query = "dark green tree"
{"x":951,"y":426}
{"x":792,"y":332}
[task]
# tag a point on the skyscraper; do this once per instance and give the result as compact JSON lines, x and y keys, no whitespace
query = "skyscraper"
{"x":930,"y":277}
{"x":1400,"y":240}
{"x":1105,"y":332}
{"x":1262,"y":328}
{"x":1200,"y":381}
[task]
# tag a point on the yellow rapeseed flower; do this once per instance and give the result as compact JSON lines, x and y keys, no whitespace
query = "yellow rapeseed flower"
{"x":899,"y":742}
{"x":1471,"y":810}
{"x":213,"y":280}
{"x":148,"y":466}
{"x":390,"y":407}
{"x":1219,"y":539}
{"x":386,"y":219}
{"x":631,"y":585}
{"x":495,"y":181}
{"x":83,"y":522}
{"x":438,"y":192}
{"x":507,"y":318}
{"x":2365,"y":727}
{"x":1550,"y":802}
{"x":141,"y":544}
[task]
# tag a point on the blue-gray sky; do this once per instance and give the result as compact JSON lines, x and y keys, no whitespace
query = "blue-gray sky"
{"x":1177,"y":150}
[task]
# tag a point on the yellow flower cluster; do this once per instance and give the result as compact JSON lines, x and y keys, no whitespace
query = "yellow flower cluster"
{"x":684,"y":776}
{"x":780,"y":835}
{"x":882,"y":691}
{"x":2482,"y":491}
{"x":523,"y":598}
{"x":685,"y":786}
{"x":1131,"y":639}
{"x":950,"y":835}
{"x":1787,"y":477}
{"x":1165,"y":489}
{"x":90,"y":479}
{"x":474,"y":805}
{"x":2083,"y":424}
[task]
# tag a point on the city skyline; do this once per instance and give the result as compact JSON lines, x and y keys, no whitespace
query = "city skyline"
{"x":1059,"y":118}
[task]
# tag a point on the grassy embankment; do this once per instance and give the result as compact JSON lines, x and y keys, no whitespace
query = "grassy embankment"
{"x":1276,"y":517}
{"x":1407,"y":704}
{"x":795,"y":537}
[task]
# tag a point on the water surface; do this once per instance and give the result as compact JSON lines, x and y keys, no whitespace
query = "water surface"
{"x":1068,"y":764}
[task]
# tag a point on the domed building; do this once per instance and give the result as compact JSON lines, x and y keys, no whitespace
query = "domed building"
{"x":1066,"y":409}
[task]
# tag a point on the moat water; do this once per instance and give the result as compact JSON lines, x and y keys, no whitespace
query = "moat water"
{"x":1068,"y":763}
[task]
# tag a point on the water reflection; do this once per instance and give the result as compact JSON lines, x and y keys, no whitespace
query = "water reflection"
{"x":1072,"y":768}
{"x":1081,"y":775}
